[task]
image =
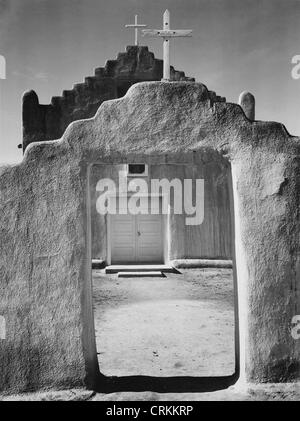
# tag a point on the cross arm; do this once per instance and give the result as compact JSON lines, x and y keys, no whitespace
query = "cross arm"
{"x":163,"y":33}
{"x":135,"y":26}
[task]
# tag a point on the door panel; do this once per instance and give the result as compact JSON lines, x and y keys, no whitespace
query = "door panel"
{"x":136,"y":239}
{"x":149,"y":238}
{"x":123,"y":239}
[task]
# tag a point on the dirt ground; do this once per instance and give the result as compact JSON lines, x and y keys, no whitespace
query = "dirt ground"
{"x":180,"y":325}
{"x":262,"y":392}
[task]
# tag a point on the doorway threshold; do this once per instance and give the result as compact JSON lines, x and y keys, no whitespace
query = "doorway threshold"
{"x":140,"y":268}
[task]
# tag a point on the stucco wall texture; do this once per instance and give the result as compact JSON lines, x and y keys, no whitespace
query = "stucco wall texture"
{"x":45,"y":231}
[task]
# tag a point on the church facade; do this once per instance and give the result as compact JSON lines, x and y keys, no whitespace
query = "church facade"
{"x":182,"y":211}
{"x":47,"y":122}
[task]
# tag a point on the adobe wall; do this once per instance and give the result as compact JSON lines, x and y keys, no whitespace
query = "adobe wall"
{"x":45,"y":239}
{"x":46,"y":122}
{"x":212,"y":239}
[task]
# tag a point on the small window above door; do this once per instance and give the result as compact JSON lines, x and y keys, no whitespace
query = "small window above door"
{"x":137,"y":170}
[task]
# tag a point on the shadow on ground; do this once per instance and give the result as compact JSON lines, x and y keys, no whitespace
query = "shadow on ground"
{"x":107,"y":384}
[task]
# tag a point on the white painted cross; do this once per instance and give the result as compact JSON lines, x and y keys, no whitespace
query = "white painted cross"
{"x":136,"y":27}
{"x":167,"y":33}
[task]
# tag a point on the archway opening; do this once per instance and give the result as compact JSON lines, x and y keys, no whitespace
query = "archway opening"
{"x":172,"y":329}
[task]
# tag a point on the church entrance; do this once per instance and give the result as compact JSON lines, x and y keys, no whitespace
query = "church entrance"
{"x":136,"y":239}
{"x":158,"y":313}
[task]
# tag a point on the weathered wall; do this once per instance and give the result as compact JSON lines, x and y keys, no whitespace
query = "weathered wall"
{"x":45,"y":239}
{"x":267,"y":192}
{"x":212,"y":239}
{"x":45,"y":122}
{"x":42,"y":236}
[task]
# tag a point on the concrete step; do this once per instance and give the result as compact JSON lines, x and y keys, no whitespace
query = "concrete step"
{"x":140,"y":274}
{"x":139,"y":268}
{"x":201,"y":263}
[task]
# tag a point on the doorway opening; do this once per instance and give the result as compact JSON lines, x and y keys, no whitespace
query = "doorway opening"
{"x":177,"y":329}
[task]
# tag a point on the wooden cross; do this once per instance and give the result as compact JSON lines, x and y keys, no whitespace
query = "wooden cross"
{"x":136,"y":27}
{"x":167,"y":33}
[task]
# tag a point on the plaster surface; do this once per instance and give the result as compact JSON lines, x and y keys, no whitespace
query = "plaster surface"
{"x":45,"y":238}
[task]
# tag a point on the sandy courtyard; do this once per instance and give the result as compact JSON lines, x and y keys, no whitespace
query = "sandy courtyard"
{"x":180,"y":325}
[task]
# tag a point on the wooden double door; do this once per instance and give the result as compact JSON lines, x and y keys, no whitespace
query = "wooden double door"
{"x":136,"y":239}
